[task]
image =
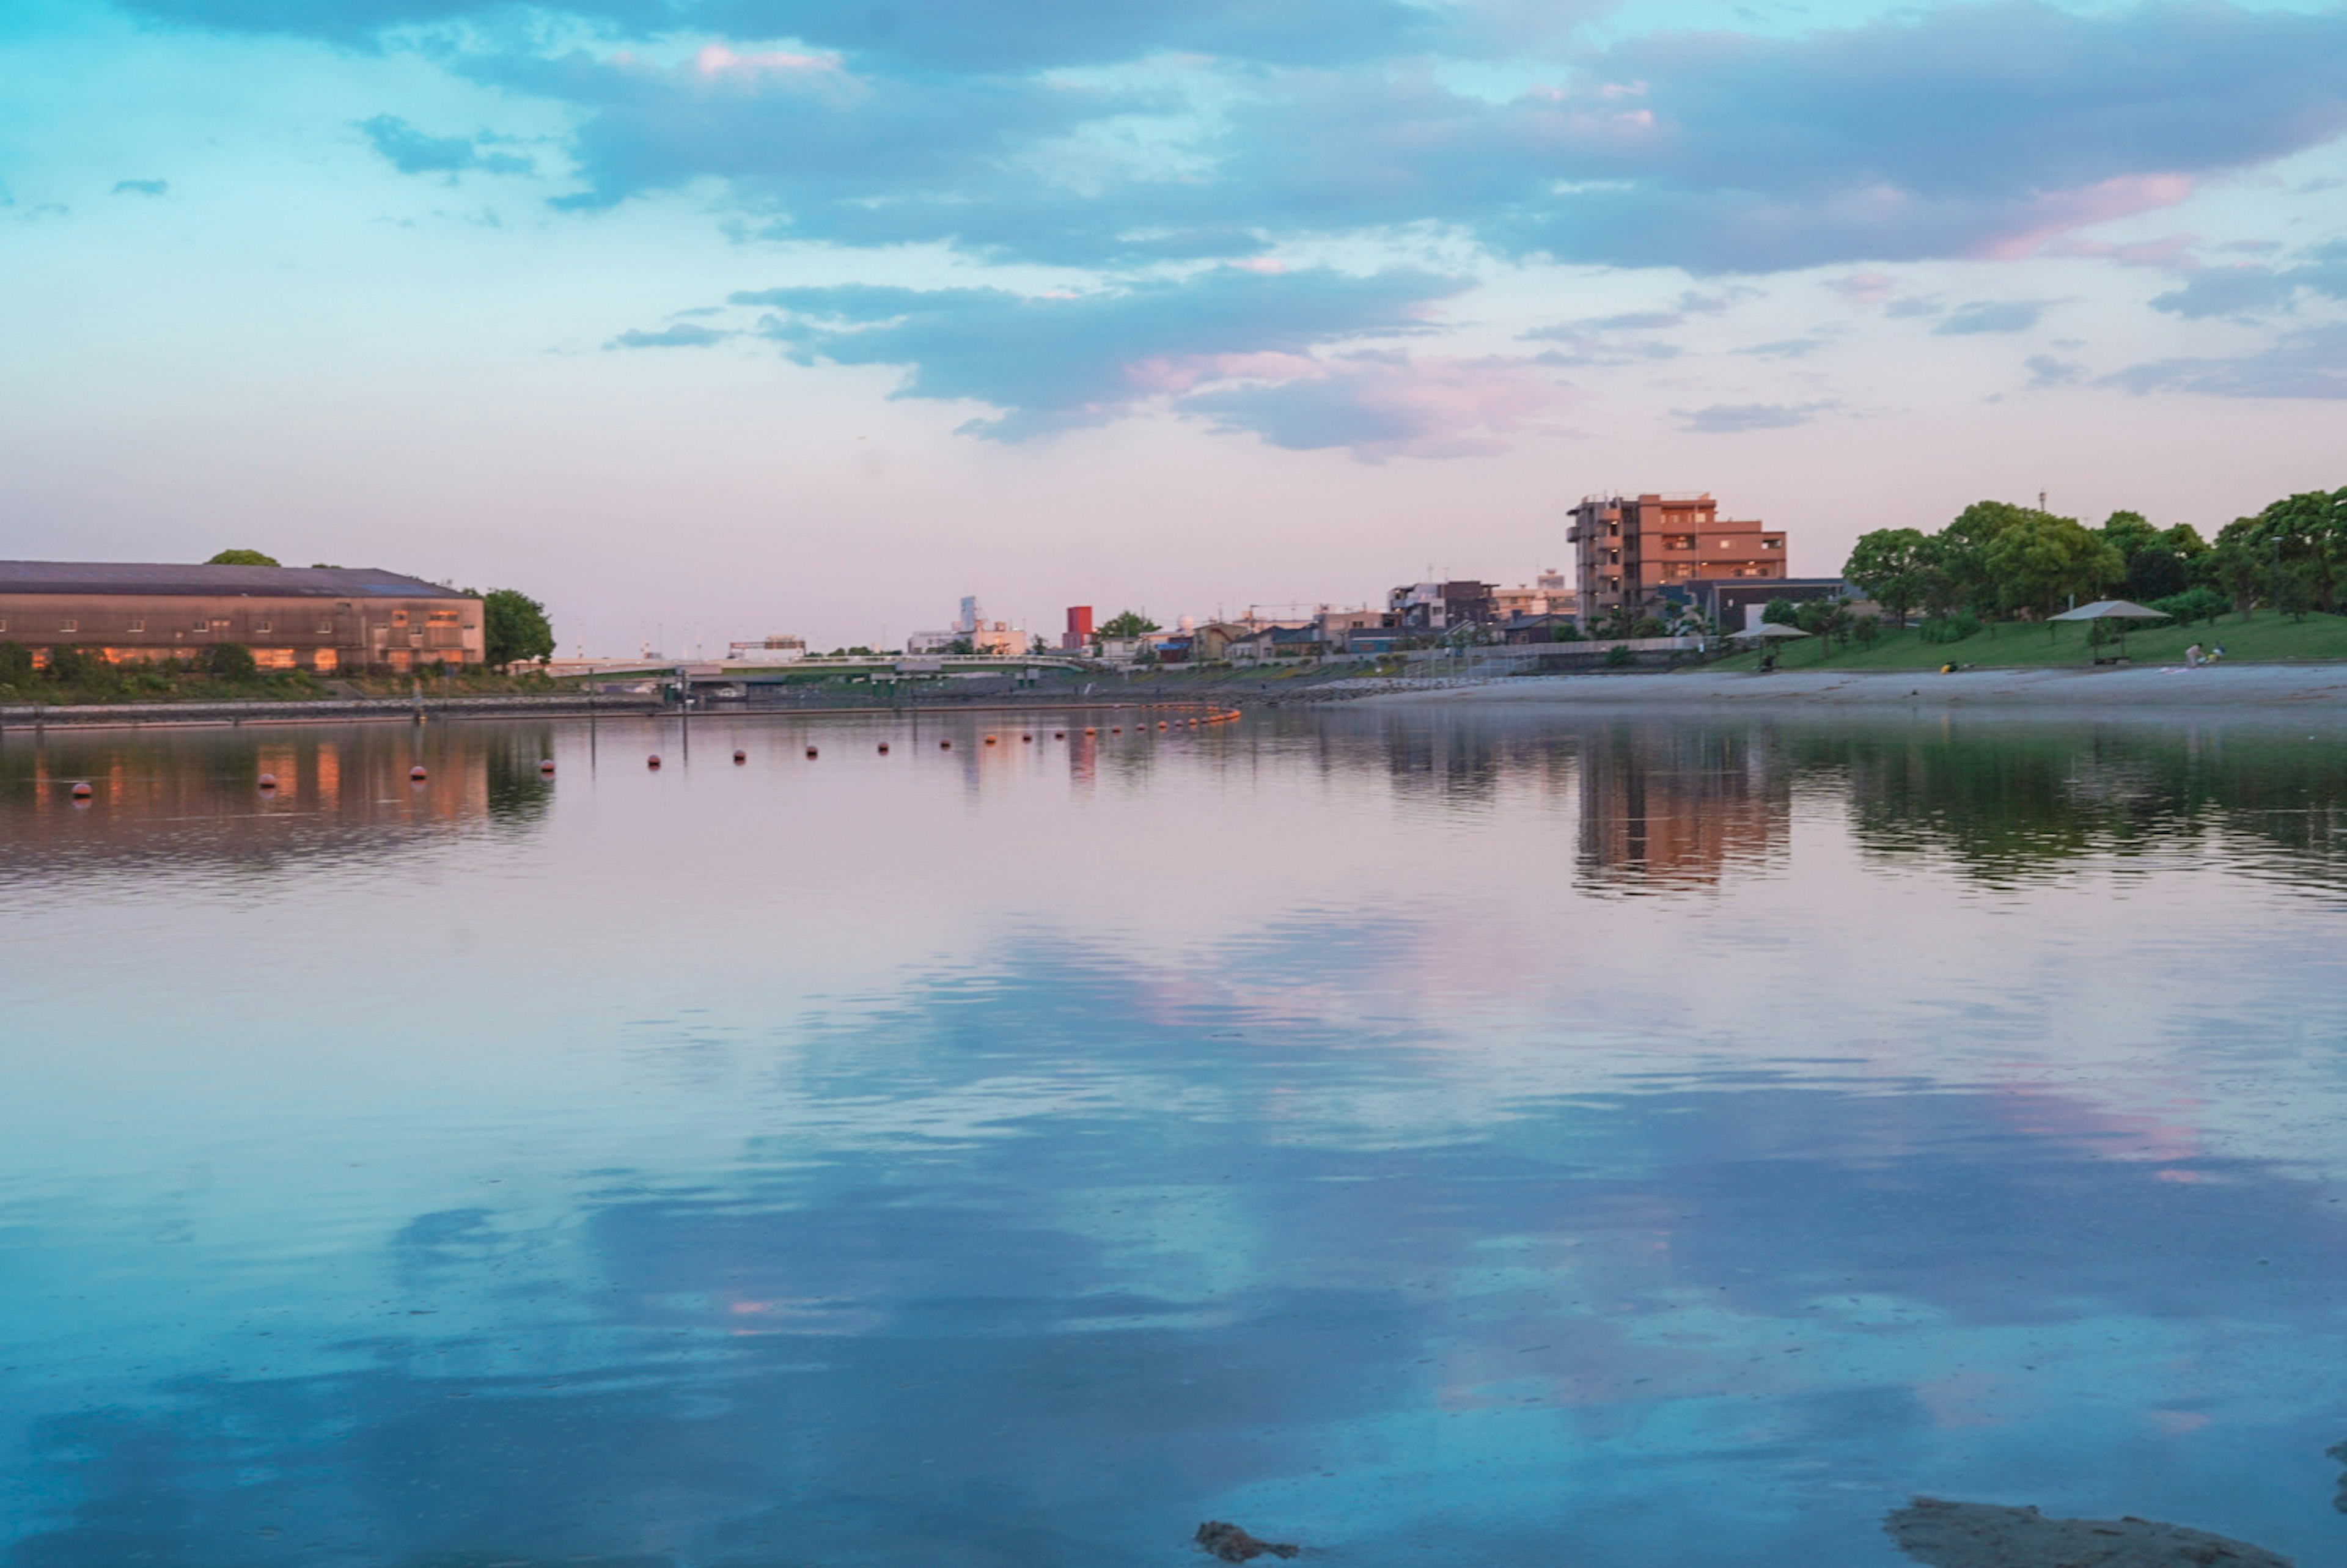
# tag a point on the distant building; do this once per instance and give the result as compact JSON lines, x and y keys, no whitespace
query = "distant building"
{"x":993,"y":638}
{"x":778,"y":649}
{"x":1431,"y":609}
{"x":1079,"y":634}
{"x":320,"y":618}
{"x":1629,"y":550}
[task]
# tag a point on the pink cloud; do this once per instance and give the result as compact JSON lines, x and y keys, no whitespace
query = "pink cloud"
{"x":1386,"y":404}
{"x":2055,"y":212}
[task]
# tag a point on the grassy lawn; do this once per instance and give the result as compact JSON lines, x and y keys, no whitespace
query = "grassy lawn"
{"x":2265,"y":636}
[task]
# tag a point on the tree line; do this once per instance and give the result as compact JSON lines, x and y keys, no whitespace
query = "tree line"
{"x":1999,"y":561}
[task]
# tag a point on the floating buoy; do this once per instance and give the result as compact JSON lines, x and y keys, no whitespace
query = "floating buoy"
{"x":741,"y":757}
{"x":1090,"y":731}
{"x":1161,"y":723}
{"x":1059,"y":735}
{"x":990,"y":740}
{"x":267,"y":781}
{"x":884,"y":748}
{"x":944,"y":745}
{"x":1029,"y":739}
{"x":546,"y":767}
{"x":811,"y":751}
{"x":82,"y":791}
{"x":1116,"y":729}
{"x":649,"y":762}
{"x":417,"y":775}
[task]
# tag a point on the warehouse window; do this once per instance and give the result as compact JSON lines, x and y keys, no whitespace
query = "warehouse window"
{"x":260,"y":626}
{"x":68,"y":625}
{"x":138,"y":625}
{"x":325,"y":629}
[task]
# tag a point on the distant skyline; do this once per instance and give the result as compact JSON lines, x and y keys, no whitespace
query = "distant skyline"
{"x":741,"y":316}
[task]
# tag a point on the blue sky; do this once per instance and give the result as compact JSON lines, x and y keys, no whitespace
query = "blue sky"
{"x":710,"y":317}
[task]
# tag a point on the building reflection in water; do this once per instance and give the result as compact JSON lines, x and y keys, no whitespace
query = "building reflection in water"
{"x":1677,"y":807}
{"x":193,"y":797}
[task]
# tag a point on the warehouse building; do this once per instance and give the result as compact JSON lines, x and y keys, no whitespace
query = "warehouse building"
{"x":292,"y":618}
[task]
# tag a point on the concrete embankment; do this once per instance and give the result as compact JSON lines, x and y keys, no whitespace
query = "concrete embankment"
{"x":2269,"y":687}
{"x":336,"y":710}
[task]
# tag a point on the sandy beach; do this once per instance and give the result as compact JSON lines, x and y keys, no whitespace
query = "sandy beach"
{"x":2283,"y":687}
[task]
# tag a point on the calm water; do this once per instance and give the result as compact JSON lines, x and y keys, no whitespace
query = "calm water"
{"x":1433,"y":1138}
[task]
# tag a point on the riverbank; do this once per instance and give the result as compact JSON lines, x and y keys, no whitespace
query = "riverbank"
{"x":2165,"y":687}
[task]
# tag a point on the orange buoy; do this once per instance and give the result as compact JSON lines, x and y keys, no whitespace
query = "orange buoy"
{"x":267,"y":781}
{"x":944,"y":745}
{"x":1029,"y":739}
{"x":546,"y":767}
{"x":417,"y":774}
{"x":653,"y":761}
{"x":1116,"y":729}
{"x":884,"y":748}
{"x":1059,"y":735}
{"x":82,"y":791}
{"x":1090,"y":731}
{"x":1161,"y":723}
{"x":990,"y":740}
{"x":741,"y":757}
{"x":811,"y":751}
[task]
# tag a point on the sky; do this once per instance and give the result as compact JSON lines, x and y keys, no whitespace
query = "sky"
{"x":706,"y":319}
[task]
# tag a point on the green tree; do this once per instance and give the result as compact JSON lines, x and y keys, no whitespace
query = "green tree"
{"x":2038,"y":561}
{"x":70,"y":665}
{"x":1894,"y":567}
{"x":2236,"y":566}
{"x":1127,"y":623}
{"x":16,"y":664}
{"x":241,"y":558}
{"x":229,"y":661}
{"x":1781,"y":613}
{"x":514,"y":627}
{"x":2302,"y":535}
{"x":1961,"y":551}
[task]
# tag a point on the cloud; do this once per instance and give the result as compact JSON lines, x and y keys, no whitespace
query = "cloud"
{"x":1727,"y":419}
{"x":1066,"y":360}
{"x":681,"y":335}
{"x":2045,"y":371}
{"x":2248,"y":290}
{"x":1864,"y":288}
{"x":1963,"y":131}
{"x":140,"y":188}
{"x":1991,"y":316}
{"x":1785,"y":348}
{"x":1386,"y":405}
{"x":2308,"y":364}
{"x":411,"y":151}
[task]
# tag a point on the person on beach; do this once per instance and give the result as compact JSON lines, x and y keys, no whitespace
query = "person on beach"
{"x":2192,"y":657}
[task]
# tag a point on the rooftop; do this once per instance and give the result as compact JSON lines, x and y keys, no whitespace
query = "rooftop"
{"x":213,"y":581}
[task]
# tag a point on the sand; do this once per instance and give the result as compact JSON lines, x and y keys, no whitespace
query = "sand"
{"x":2278,"y":687}
{"x":1983,"y":1535}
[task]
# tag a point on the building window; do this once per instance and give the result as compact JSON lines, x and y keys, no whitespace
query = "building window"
{"x":1772,"y":544}
{"x":68,"y":625}
{"x":138,"y":625}
{"x":441,"y":618}
{"x":260,"y":626}
{"x":325,"y":629}
{"x":399,"y":617}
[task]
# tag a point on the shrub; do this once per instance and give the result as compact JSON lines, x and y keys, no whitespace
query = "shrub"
{"x":230,"y":660}
{"x":1952,"y":628}
{"x":2193,"y":604}
{"x":16,"y":664}
{"x":70,"y":665}
{"x":1619,"y":657}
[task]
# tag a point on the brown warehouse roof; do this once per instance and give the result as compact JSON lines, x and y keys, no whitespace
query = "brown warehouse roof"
{"x":213,"y":581}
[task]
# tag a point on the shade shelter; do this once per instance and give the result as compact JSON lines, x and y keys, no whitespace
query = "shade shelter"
{"x":1768,"y":631}
{"x":2117,"y":610}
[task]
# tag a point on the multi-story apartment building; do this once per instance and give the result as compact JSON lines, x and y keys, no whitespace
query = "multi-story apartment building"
{"x":1629,"y":548}
{"x":1431,"y":609}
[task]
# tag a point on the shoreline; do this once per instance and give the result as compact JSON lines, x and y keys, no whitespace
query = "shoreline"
{"x":2158,"y":688}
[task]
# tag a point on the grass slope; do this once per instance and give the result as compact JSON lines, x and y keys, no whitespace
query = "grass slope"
{"x":2264,"y":637}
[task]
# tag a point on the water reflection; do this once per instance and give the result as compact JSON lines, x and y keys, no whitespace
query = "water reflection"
{"x":1016,"y":1154}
